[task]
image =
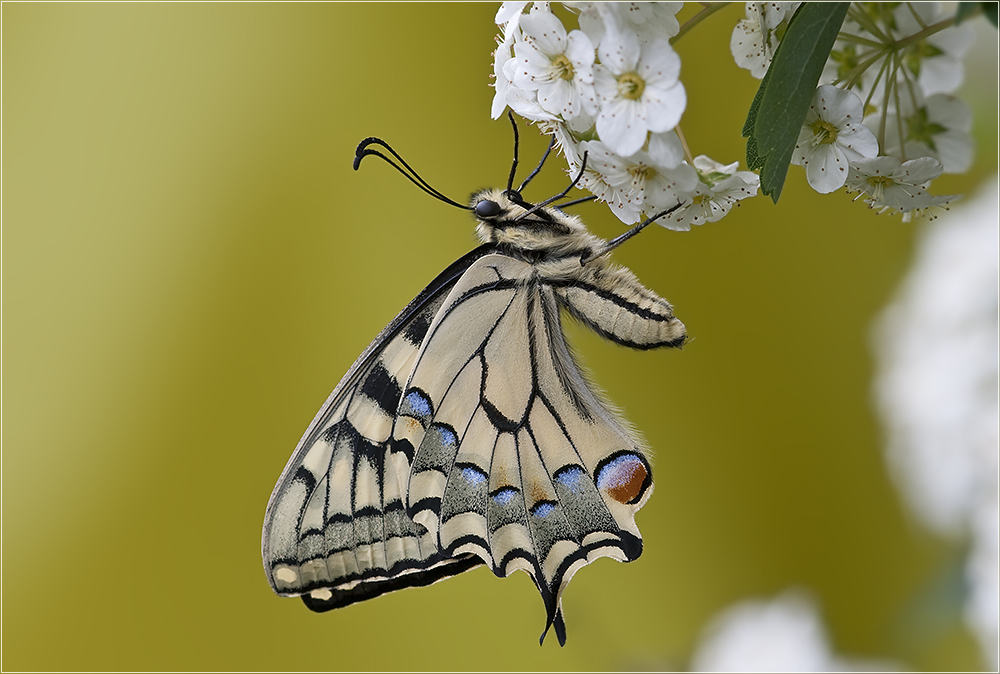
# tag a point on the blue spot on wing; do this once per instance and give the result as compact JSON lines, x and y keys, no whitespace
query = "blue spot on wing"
{"x":474,"y":475}
{"x":505,"y":496}
{"x":570,"y":477}
{"x":418,"y":403}
{"x":448,"y":437}
{"x":542,"y":508}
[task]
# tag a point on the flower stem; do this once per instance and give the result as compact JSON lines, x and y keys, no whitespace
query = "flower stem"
{"x":709,"y":9}
{"x":684,"y":144}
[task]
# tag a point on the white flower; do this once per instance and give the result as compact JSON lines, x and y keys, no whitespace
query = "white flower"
{"x":509,"y":11}
{"x":894,"y":185}
{"x":508,"y":16}
{"x":755,"y":38}
{"x":601,"y":164}
{"x":938,"y":397}
{"x":718,"y":189}
{"x":939,"y":128}
{"x":877,"y":55}
{"x":649,"y":186}
{"x":648,"y":21}
{"x":832,"y":138}
{"x":639,"y":91}
{"x":524,"y":102}
{"x":556,"y":64}
{"x":785,"y":634}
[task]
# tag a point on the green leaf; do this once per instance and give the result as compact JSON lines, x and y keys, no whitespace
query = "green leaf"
{"x":754,"y":160}
{"x":990,"y":10}
{"x":967,"y":10}
{"x":782,"y":101}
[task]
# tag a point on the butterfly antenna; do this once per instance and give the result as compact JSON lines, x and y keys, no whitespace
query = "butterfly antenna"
{"x":411,"y":175}
{"x":583,"y":167}
{"x":578,"y":201}
{"x":619,"y":240}
{"x":513,"y":166}
{"x":552,"y":144}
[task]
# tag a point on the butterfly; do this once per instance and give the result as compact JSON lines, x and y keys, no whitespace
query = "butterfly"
{"x":466,"y":433}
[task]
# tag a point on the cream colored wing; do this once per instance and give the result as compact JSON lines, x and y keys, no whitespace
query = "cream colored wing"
{"x":336,"y":531}
{"x":512,"y":457}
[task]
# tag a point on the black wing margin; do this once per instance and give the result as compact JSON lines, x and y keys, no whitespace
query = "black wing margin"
{"x":335,"y":530}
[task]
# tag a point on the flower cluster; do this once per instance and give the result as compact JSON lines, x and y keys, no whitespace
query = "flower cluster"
{"x":610,"y":91}
{"x":883,"y":121}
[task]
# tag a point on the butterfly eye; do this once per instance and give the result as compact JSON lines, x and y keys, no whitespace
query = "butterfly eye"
{"x":487,"y":208}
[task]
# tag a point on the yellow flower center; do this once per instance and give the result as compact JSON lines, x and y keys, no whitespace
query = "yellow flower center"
{"x":878,"y":185}
{"x":563,"y":67}
{"x":631,"y":86}
{"x":824,"y":133}
{"x":641,"y":172}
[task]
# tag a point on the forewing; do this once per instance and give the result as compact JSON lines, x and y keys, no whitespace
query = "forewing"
{"x":513,"y":458}
{"x":336,"y":530}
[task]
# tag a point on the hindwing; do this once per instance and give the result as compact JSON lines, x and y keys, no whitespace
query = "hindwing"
{"x":465,"y":434}
{"x":513,"y":458}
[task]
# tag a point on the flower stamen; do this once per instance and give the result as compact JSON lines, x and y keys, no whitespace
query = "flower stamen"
{"x":562,"y":68}
{"x":824,"y":133}
{"x":631,"y":86}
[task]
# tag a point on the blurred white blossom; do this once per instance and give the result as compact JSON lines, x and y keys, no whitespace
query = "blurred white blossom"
{"x":936,"y":387}
{"x":936,"y":60}
{"x":648,"y":20}
{"x":939,"y":127}
{"x":785,"y":634}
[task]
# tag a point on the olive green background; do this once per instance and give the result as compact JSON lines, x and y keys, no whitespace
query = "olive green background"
{"x":190,"y":265}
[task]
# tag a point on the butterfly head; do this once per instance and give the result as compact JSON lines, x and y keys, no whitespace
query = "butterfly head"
{"x":506,"y":219}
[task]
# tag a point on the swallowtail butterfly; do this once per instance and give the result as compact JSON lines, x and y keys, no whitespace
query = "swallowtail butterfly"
{"x":466,"y":434}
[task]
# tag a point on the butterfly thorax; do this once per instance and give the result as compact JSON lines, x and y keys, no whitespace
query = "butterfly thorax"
{"x":554,"y":242}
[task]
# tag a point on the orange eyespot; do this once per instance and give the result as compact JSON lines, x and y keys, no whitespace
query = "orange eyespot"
{"x":624,"y":477}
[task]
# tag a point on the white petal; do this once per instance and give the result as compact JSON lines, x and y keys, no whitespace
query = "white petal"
{"x":545,"y":31}
{"x":663,"y":109}
{"x":659,"y":64}
{"x":666,"y":150}
{"x":837,"y":106}
{"x":857,"y":141}
{"x":955,"y":151}
{"x":918,"y":171}
{"x":950,"y":112}
{"x":826,"y":170}
{"x":508,"y":10}
{"x":580,"y":52}
{"x":605,"y":84}
{"x":620,"y":127}
{"x":559,"y":98}
{"x":619,"y":51}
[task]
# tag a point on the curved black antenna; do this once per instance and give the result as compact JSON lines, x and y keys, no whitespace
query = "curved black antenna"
{"x":578,"y":201}
{"x":552,"y":144}
{"x":415,"y":178}
{"x":583,"y":167}
{"x":513,"y":166}
{"x":622,"y":238}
